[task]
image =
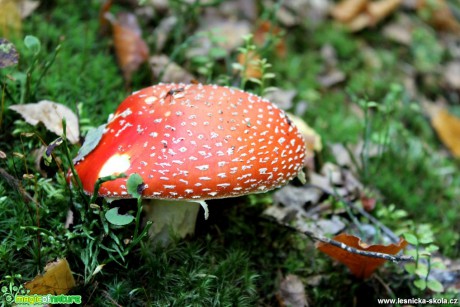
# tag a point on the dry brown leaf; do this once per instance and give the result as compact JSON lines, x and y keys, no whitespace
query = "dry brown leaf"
{"x":360,"y":266}
{"x":130,"y":48}
{"x":438,"y":14}
{"x":292,"y":292}
{"x":359,"y":14}
{"x":11,"y":14}
{"x":27,"y":7}
{"x":57,"y":279}
{"x":104,"y":23}
{"x":10,"y":19}
{"x":282,"y":98}
{"x":169,"y":72}
{"x":262,"y":33}
{"x":50,"y":114}
{"x":452,"y":74}
{"x":447,"y":126}
{"x":251,"y":63}
{"x":346,"y":10}
{"x":8,"y":54}
{"x":378,"y":10}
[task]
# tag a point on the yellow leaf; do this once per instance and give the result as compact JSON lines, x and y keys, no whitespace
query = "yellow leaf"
{"x":447,"y":127}
{"x":10,"y":19}
{"x":57,"y":279}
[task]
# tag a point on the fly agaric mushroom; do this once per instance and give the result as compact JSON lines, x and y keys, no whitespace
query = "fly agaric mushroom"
{"x":191,"y":143}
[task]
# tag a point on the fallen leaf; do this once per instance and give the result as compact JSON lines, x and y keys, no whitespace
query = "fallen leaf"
{"x":57,"y":279}
{"x":400,"y":31}
{"x":282,"y":98}
{"x":331,"y":78}
{"x":452,"y":74}
{"x":360,"y":266}
{"x":163,"y":31}
{"x":438,"y":14}
{"x":51,"y":115}
{"x":11,"y":14}
{"x":130,"y":48}
{"x":359,"y":14}
{"x":8,"y":54}
{"x":250,"y":62}
{"x":10,"y":19}
{"x":27,"y":7}
{"x":378,"y":10}
{"x":266,"y":31}
{"x":447,"y":126}
{"x":297,"y":197}
{"x":164,"y":70}
{"x":292,"y":292}
{"x":104,"y":23}
{"x":346,"y":10}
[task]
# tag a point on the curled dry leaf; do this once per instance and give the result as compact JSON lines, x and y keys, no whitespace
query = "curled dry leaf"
{"x":360,"y":266}
{"x":8,"y":54}
{"x":164,"y":70}
{"x":51,"y":115}
{"x":292,"y":292}
{"x":346,"y":10}
{"x":359,"y":14}
{"x":438,"y":14}
{"x":447,"y":126}
{"x":130,"y":48}
{"x":58,"y":279}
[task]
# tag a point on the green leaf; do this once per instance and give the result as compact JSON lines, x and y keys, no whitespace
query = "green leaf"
{"x":135,"y":185}
{"x":32,"y":43}
{"x":410,"y":268}
{"x":118,"y":219}
{"x":431,"y":248}
{"x":426,"y":239}
{"x":435,"y":285}
{"x":422,"y":270}
{"x":411,"y":238}
{"x":93,"y":137}
{"x":420,"y":283}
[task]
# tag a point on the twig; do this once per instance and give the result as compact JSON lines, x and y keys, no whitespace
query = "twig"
{"x":16,"y":184}
{"x":375,"y":221}
{"x":349,"y":249}
{"x":107,"y":295}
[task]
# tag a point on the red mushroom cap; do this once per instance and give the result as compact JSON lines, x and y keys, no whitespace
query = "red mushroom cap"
{"x":195,"y":142}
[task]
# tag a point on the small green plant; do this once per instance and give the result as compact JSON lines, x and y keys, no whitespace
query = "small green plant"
{"x":252,"y":62}
{"x":422,"y":240}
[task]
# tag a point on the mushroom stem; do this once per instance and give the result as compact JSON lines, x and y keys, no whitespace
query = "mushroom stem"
{"x":171,"y":217}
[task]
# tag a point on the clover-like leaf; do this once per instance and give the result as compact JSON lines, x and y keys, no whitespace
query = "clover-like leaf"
{"x":115,"y":218}
{"x":91,"y":141}
{"x":135,"y":185}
